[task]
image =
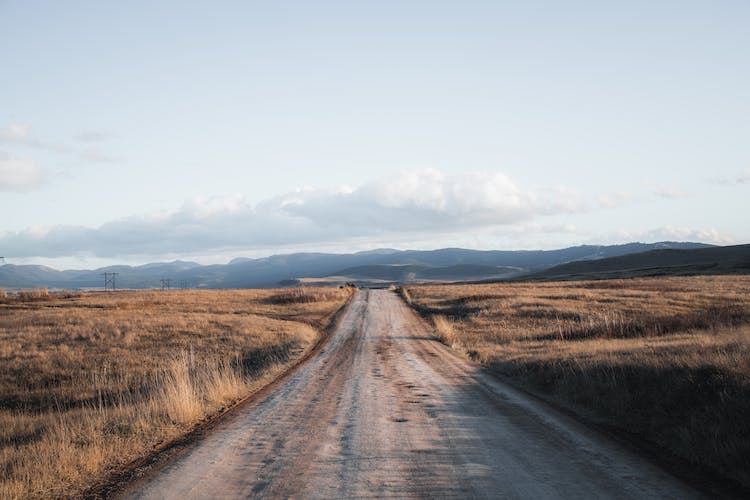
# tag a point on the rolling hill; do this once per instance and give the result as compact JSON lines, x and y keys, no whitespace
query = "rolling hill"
{"x":662,"y":262}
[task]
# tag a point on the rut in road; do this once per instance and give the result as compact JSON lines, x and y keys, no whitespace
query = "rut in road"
{"x":385,"y":410}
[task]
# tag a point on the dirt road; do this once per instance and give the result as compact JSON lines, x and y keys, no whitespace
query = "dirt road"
{"x":384,"y":410}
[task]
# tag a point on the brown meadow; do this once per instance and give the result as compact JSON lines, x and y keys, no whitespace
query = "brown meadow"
{"x":89,"y":382}
{"x":663,"y":361}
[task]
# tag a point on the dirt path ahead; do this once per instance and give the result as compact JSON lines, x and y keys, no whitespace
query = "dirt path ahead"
{"x":384,"y":410}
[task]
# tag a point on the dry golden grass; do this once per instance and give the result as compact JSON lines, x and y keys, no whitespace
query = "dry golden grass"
{"x":91,"y":381}
{"x":663,"y":359}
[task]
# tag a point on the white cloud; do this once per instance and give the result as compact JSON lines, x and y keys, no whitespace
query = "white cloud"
{"x":417,"y":201}
{"x":417,"y":204}
{"x":17,"y":174}
{"x":16,"y":133}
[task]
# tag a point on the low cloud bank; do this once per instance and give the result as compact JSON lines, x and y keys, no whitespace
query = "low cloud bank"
{"x":418,"y":203}
{"x":412,"y":206}
{"x":671,"y":233}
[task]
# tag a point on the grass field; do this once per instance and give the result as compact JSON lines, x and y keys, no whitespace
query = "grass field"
{"x":91,"y":381}
{"x":663,"y":360}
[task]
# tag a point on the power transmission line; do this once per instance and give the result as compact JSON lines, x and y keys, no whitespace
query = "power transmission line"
{"x":110,"y":281}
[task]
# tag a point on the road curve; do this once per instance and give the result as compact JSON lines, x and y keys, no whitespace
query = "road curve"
{"x":386,"y":411}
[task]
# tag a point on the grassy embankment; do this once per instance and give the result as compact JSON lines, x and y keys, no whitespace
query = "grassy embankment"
{"x":89,"y":382}
{"x":665,"y":360}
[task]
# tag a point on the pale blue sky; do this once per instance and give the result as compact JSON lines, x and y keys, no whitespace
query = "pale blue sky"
{"x":481,"y":124}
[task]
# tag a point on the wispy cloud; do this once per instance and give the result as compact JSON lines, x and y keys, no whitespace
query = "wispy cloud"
{"x":670,"y":192}
{"x":19,"y":134}
{"x":418,"y":204}
{"x":614,"y":200}
{"x":17,"y":174}
{"x":741,"y":177}
{"x":92,"y":136}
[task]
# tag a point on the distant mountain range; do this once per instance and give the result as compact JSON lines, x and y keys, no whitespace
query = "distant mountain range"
{"x":376,"y":266}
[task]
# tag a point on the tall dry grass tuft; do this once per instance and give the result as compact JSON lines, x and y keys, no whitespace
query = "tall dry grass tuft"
{"x":446,"y":332}
{"x":179,"y":391}
{"x":32,"y":295}
{"x":405,"y":294}
{"x":186,"y":387}
{"x":225,"y":383}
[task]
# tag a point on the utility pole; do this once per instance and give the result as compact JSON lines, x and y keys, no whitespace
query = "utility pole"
{"x":165,"y":283}
{"x":109,"y":281}
{"x":184,"y":284}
